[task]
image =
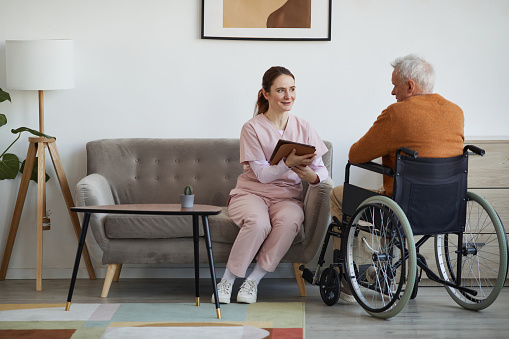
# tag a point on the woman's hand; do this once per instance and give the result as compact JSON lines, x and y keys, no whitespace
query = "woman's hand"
{"x":299,"y":164}
{"x":293,"y":160}
{"x":306,"y":174}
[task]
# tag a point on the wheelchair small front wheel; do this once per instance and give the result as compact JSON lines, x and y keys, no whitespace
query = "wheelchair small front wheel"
{"x":380,"y":257}
{"x":483,"y":256}
{"x":330,"y":286}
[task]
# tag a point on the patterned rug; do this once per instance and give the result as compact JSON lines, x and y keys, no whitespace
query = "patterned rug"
{"x":152,"y":320}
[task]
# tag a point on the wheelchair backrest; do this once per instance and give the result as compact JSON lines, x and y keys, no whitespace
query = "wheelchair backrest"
{"x":432,"y":192}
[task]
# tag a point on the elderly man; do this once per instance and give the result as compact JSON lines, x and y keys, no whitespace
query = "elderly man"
{"x":420,"y":120}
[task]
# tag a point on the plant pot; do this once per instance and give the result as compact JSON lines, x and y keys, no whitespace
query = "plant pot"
{"x":186,"y":201}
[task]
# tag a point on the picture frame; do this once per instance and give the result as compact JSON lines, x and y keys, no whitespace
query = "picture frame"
{"x":223,"y":20}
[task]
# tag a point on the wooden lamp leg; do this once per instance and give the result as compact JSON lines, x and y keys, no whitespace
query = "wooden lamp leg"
{"x":41,"y":172}
{"x":20,"y":201}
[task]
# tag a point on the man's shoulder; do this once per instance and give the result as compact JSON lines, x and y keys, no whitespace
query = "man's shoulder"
{"x":437,"y":98}
{"x":419,"y":101}
{"x":445,"y":101}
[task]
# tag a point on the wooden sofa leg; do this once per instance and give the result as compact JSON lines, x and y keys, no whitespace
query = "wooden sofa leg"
{"x":300,"y":280}
{"x":117,"y":273}
{"x":112,"y":268}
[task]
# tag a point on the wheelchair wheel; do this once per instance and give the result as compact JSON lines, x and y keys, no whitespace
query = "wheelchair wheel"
{"x":416,"y":287}
{"x":418,"y":277}
{"x":380,"y":257}
{"x":484,"y":256}
{"x":330,"y":286}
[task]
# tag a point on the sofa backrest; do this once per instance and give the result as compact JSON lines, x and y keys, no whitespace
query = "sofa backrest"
{"x":143,"y":170}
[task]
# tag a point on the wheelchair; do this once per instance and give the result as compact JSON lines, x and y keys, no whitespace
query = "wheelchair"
{"x":379,"y":258}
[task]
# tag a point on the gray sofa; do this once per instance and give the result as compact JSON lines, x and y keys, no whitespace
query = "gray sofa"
{"x":137,"y":171}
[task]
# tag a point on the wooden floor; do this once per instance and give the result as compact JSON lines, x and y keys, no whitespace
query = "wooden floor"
{"x":433,"y":314}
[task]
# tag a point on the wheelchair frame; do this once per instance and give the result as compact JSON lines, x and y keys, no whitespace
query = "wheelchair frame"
{"x":383,"y":279}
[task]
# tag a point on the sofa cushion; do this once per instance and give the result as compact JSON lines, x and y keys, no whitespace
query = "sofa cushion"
{"x":122,"y":226}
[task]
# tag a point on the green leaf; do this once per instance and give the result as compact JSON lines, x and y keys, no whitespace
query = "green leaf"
{"x":34,"y":175}
{"x":9,"y":166}
{"x":34,"y":132}
{"x":3,"y":119}
{"x":4,"y":96}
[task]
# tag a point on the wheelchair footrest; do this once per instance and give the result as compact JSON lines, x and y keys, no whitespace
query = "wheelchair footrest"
{"x":307,"y":274}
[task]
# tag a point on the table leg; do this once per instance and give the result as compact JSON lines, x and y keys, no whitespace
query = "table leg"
{"x":81,"y":243}
{"x":208,"y":243}
{"x":196,"y":239}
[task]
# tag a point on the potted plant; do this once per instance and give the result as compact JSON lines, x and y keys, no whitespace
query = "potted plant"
{"x":187,"y":199}
{"x":10,"y":163}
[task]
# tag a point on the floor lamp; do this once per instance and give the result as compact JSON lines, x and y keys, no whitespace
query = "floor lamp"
{"x":40,"y":65}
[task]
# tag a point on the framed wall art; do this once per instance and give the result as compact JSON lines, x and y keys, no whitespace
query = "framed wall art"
{"x":283,"y":20}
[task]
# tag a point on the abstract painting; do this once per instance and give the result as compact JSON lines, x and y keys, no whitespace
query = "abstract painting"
{"x":266,"y":19}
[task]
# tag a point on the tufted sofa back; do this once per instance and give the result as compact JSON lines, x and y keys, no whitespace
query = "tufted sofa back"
{"x":142,"y":170}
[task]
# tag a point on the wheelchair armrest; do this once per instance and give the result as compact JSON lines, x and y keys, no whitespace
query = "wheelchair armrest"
{"x":475,"y":149}
{"x":408,"y":151}
{"x":373,"y":167}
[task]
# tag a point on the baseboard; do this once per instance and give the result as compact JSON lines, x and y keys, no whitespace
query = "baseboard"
{"x":140,"y":271}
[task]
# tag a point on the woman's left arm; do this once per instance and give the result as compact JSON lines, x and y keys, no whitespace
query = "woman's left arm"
{"x":266,"y":173}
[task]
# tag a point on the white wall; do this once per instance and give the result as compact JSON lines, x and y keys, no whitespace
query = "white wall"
{"x":143,"y":71}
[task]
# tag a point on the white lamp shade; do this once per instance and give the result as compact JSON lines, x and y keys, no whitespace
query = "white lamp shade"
{"x":39,"y":64}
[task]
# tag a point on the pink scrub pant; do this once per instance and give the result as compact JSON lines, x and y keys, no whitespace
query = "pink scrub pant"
{"x":267,"y":226}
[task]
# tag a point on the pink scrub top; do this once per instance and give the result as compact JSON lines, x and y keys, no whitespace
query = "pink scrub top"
{"x":257,"y":141}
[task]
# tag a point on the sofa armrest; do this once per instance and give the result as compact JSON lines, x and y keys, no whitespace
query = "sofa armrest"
{"x":317,"y":215}
{"x":94,"y":190}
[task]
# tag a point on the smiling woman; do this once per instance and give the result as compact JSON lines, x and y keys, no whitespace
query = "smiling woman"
{"x":267,"y":202}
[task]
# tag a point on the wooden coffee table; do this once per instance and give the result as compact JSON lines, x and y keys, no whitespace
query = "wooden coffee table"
{"x":156,"y":209}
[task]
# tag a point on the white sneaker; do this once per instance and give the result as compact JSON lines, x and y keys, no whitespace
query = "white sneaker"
{"x":346,"y":294}
{"x":224,"y":292}
{"x":348,"y":298}
{"x":247,"y":292}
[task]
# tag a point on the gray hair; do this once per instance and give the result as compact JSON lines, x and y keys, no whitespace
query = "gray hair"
{"x":411,"y":67}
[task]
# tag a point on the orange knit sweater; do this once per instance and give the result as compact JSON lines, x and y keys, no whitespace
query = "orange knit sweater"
{"x":429,"y":124}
